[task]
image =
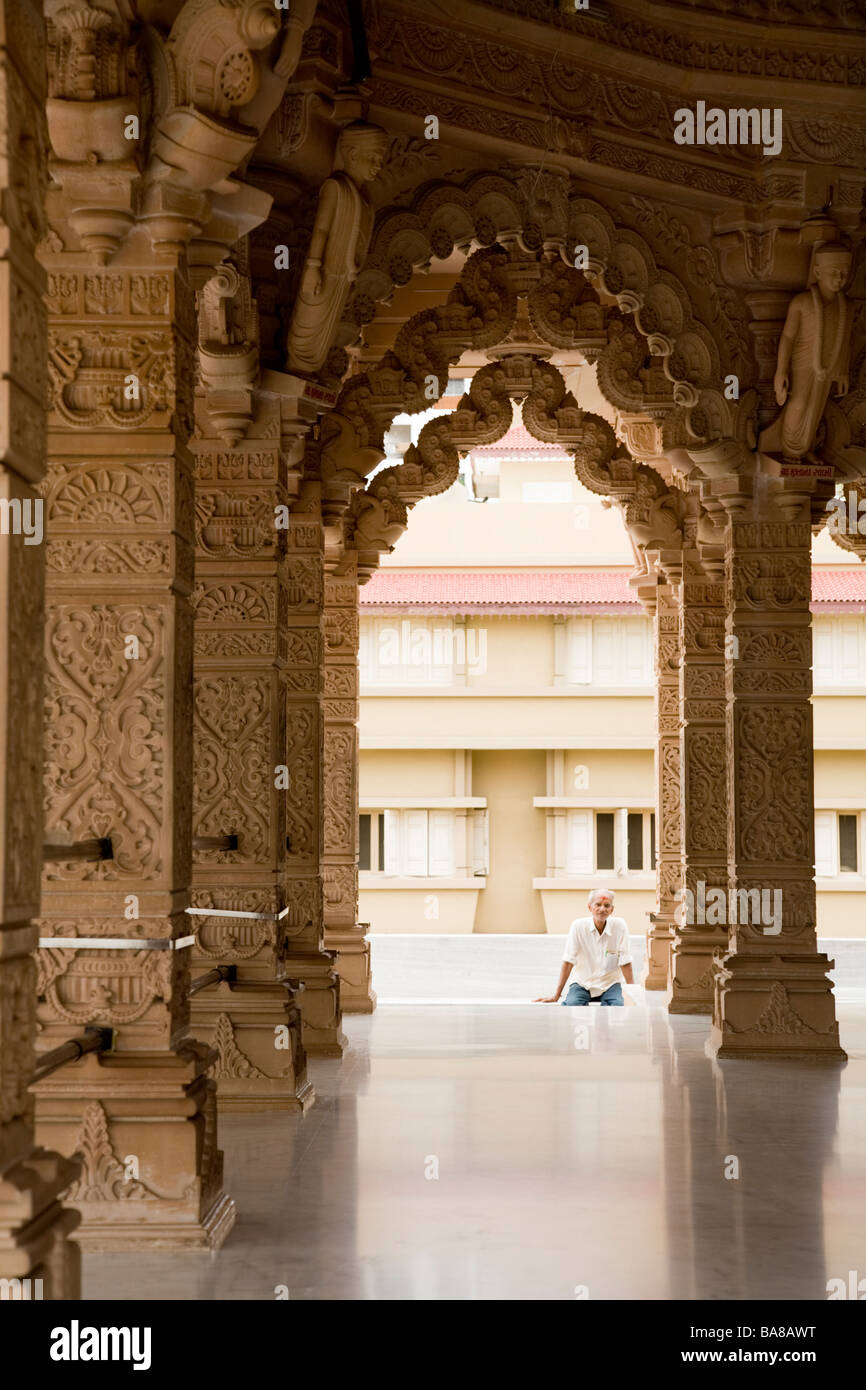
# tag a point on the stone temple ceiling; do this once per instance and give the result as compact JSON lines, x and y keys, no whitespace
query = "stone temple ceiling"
{"x":595,"y":93}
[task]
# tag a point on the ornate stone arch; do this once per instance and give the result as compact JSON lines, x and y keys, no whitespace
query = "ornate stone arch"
{"x":540,"y":213}
{"x":482,"y":312}
{"x":563,"y":309}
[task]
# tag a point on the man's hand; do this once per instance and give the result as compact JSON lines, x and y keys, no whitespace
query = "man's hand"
{"x":564,"y":972}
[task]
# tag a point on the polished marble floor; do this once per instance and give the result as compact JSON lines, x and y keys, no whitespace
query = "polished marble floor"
{"x":511,"y":1151}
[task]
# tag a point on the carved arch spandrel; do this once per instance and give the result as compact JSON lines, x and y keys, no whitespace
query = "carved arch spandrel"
{"x":563,"y":306}
{"x":690,"y":365}
{"x":482,"y":313}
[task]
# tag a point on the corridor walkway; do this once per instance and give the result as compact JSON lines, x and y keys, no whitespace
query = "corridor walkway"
{"x":567,"y":1160}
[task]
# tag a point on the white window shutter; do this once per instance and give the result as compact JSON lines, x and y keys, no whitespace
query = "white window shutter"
{"x":441,"y":842}
{"x":822,"y":651}
{"x":364,"y":646}
{"x":580,"y":651}
{"x":579,"y":855}
{"x":392,"y":842}
{"x":849,"y":651}
{"x":605,"y":652}
{"x":480,"y":843}
{"x":826,"y":844}
{"x":620,"y":840}
{"x":415,"y":843}
{"x":446,"y":643}
{"x":634,"y":651}
{"x":648,"y":653}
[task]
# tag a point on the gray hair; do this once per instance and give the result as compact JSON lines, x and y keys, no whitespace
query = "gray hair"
{"x":597,"y":893}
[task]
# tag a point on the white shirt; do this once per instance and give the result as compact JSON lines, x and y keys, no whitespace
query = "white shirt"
{"x":597,"y":956}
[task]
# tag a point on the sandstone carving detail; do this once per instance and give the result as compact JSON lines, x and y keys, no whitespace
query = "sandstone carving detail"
{"x":813,"y":355}
{"x":344,"y":221}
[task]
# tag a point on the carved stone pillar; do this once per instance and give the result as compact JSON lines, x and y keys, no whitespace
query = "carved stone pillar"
{"x":700,"y":931}
{"x":667,"y":769}
{"x":308,"y":963}
{"x":343,"y":934}
{"x":772,"y":994}
{"x":34,"y":1228}
{"x":119,"y":504}
{"x":240,"y":601}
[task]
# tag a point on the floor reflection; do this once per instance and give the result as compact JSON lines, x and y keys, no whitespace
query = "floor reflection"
{"x":484,"y":1152}
{"x":748,"y":1148}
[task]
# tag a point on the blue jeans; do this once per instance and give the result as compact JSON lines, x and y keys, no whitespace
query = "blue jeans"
{"x":611,"y":997}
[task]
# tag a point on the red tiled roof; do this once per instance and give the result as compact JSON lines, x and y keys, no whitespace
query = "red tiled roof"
{"x":553,"y":591}
{"x":518,"y":440}
{"x":485,"y":591}
{"x":842,"y":587}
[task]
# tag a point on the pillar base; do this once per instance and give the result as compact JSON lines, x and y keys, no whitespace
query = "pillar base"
{"x":255,"y":1027}
{"x":778,"y":1006}
{"x":352,"y":964}
{"x":320,"y":1002}
{"x":35,"y":1229}
{"x":693,"y":972}
{"x":659,"y":939}
{"x":145,"y":1126}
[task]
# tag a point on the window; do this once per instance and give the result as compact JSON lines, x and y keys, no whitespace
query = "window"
{"x":620,"y":841}
{"x":364,"y":842}
{"x":840,"y":843}
{"x":408,"y":844}
{"x":409,"y":651}
{"x":604,"y":840}
{"x":371,"y":841}
{"x":839,"y":651}
{"x":635,"y":840}
{"x":848,"y":844}
{"x":609,"y":651}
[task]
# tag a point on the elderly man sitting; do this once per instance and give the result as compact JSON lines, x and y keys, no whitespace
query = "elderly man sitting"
{"x":597,"y":950}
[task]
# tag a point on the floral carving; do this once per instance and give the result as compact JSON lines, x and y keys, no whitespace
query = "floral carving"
{"x":105,"y":742}
{"x":232,"y":1064}
{"x":103,"y":1177}
{"x":233,"y":764}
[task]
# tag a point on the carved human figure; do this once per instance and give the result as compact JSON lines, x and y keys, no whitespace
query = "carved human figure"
{"x":344,"y":222}
{"x":813,"y":354}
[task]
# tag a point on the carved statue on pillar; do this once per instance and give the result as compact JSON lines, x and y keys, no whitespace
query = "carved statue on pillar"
{"x":228,"y":350}
{"x":813,"y":354}
{"x":344,"y":222}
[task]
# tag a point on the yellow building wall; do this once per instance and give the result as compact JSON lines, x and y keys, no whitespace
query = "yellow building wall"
{"x":840,"y":774}
{"x":840,"y":783}
{"x":420,"y":771}
{"x":509,"y":781}
{"x":489,"y":721}
{"x":839,"y":722}
{"x":422,"y":910}
{"x":518,"y":651}
{"x":625,"y":773}
{"x":841,"y":914}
